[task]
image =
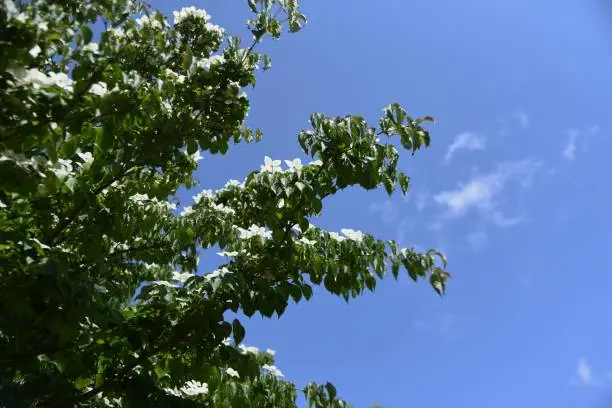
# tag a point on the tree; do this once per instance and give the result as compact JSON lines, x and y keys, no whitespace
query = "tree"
{"x":101,"y":300}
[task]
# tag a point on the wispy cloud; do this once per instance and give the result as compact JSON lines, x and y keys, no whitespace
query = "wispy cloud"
{"x":522,"y":118}
{"x":441,"y":325}
{"x":477,"y":239}
{"x":387,"y":210}
{"x":465,"y":141}
{"x":480,"y":192}
{"x":569,"y":151}
{"x":576,"y":139}
{"x":585,"y":375}
{"x":404,"y":229}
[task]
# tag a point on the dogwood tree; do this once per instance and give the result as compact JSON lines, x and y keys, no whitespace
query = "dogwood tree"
{"x":101,"y":299}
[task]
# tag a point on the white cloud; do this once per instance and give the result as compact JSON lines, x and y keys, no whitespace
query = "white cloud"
{"x":576,"y":139}
{"x":421,"y":201}
{"x":465,"y":141}
{"x":569,"y":151}
{"x":522,"y":118}
{"x":477,"y":239}
{"x":481,"y":191}
{"x":441,"y":325}
{"x":405,"y":226}
{"x":585,"y":375}
{"x":388,"y":211}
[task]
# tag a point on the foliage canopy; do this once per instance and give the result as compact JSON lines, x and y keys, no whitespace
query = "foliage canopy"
{"x":101,"y":300}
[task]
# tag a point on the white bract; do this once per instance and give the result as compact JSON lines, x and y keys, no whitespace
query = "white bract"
{"x":99,"y":88}
{"x":248,"y":349}
{"x":270,"y":165}
{"x":254,"y":231}
{"x":91,"y":47}
{"x":306,"y":241}
{"x":186,"y":211}
{"x":228,"y":254}
{"x":352,"y":234}
{"x":223,"y":209}
{"x":232,"y":373}
{"x":208,"y":194}
{"x":335,"y":236}
{"x":272,"y":370}
{"x":187,"y":12}
{"x":295,"y":164}
{"x":34,"y":51}
{"x":181,"y":277}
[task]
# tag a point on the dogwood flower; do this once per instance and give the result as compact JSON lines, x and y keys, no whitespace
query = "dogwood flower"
{"x":193,"y":387}
{"x":99,"y":88}
{"x":232,"y":373}
{"x":352,"y":234}
{"x":208,"y":194}
{"x":335,"y":236}
{"x":272,"y":370}
{"x":295,"y":164}
{"x":306,"y":241}
{"x":254,"y":231}
{"x":187,"y":12}
{"x":270,"y":165}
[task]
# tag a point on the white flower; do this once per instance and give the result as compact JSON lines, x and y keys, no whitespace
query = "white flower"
{"x":226,"y":341}
{"x":62,"y":169}
{"x":145,"y":20}
{"x":295,"y":164}
{"x":91,"y":47}
{"x":306,"y":241}
{"x":173,"y":391}
{"x":187,"y":12}
{"x":224,"y":253}
{"x":352,"y":234}
{"x":214,"y":28}
{"x":254,"y":231}
{"x":336,"y":236}
{"x":181,"y":277}
{"x":232,"y":373}
{"x":216,"y":59}
{"x":60,"y":79}
{"x":248,"y":349}
{"x":34,"y":51}
{"x":223,"y":209}
{"x":99,"y":88}
{"x":2,"y":205}
{"x":194,"y":388}
{"x":272,"y":370}
{"x":117,"y":32}
{"x":270,"y":352}
{"x":139,"y":198}
{"x":316,"y":163}
{"x":87,"y":158}
{"x":10,"y":9}
{"x":270,"y":165}
{"x":197,"y":156}
{"x":233,"y":183}
{"x":219,"y":273}
{"x":208,"y":194}
{"x":186,"y":211}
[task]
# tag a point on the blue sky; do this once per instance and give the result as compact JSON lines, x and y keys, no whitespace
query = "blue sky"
{"x":514,"y":190}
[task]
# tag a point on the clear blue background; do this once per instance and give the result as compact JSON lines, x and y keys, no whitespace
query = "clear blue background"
{"x":531,"y":290}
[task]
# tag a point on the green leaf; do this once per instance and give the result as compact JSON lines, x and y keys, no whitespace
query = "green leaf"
{"x":187,"y":59}
{"x":403,"y":182}
{"x":238,"y":331}
{"x":331,"y":391}
{"x":87,"y":34}
{"x":307,"y":291}
{"x":192,"y":147}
